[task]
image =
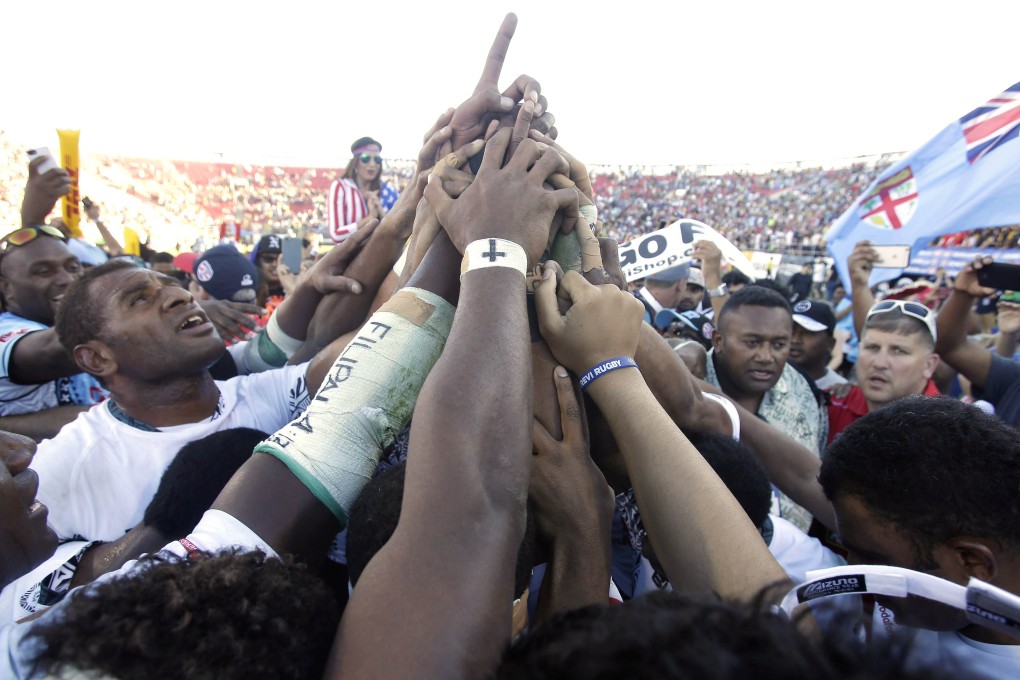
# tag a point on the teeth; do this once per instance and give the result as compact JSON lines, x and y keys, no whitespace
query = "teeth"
{"x":191,"y":321}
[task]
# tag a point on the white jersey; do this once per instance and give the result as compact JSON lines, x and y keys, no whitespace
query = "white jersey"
{"x":99,"y":473}
{"x":80,"y":389}
{"x":949,"y":651}
{"x":216,"y":531}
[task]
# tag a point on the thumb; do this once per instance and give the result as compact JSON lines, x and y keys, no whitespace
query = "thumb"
{"x":339,"y":284}
{"x":546,"y":307}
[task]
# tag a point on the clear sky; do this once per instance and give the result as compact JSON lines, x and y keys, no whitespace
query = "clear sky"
{"x":672,"y":82}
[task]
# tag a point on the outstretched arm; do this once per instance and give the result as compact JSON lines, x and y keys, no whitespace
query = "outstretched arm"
{"x":714,"y":547}
{"x":470,"y":448}
{"x":953,"y":346}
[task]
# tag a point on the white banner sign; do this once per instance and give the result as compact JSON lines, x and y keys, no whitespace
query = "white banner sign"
{"x":672,"y":246}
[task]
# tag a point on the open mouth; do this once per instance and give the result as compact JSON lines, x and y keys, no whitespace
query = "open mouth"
{"x":192,"y":322}
{"x":762,"y":375}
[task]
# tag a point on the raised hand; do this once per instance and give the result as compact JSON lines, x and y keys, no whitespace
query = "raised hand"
{"x":967,"y":280}
{"x":508,"y":202}
{"x":25,"y":540}
{"x":603,"y":322}
{"x":487,"y":102}
{"x":42,"y":192}
{"x":860,"y":264}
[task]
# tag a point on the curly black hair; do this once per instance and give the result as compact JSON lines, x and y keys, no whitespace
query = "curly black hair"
{"x":933,"y":466}
{"x":227,"y":614}
{"x":669,"y":637}
{"x":79,"y":316}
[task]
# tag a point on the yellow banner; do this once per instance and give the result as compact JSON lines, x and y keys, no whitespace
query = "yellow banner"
{"x":72,"y":201}
{"x":132,"y":244}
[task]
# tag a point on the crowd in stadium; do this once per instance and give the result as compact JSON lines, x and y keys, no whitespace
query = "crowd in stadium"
{"x":460,"y":443}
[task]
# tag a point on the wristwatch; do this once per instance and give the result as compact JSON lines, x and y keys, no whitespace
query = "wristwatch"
{"x":719,"y":292}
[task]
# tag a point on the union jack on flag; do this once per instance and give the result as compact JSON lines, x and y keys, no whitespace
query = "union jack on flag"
{"x":989,"y":126}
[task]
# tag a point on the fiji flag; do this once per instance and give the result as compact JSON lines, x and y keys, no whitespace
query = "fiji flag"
{"x":967,"y":177}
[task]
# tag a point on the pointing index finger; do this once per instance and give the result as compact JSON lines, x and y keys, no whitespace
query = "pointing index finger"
{"x":497,"y":54}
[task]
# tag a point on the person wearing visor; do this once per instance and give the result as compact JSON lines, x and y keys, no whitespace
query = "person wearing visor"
{"x":812,"y":342}
{"x":360,"y":195}
{"x":41,"y":388}
{"x":897,"y":359}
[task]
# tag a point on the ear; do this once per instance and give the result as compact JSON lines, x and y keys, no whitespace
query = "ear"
{"x":967,"y":556}
{"x":717,"y":340}
{"x":831,"y":343}
{"x":930,"y":364}
{"x":95,"y":358}
{"x":5,"y":288}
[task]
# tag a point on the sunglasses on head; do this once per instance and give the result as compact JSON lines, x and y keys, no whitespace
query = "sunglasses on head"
{"x":366,"y":158}
{"x":912,"y":309}
{"x":20,"y":237}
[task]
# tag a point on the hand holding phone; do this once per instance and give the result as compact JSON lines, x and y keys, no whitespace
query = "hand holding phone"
{"x":893,"y":257}
{"x":47,"y":164}
{"x":1000,"y":276}
{"x":292,"y":252}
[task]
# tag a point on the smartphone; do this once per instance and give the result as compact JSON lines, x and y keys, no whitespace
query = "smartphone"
{"x":48,"y":162}
{"x":1011,"y":296}
{"x":292,"y":254}
{"x":892,"y":256}
{"x":1000,"y":276}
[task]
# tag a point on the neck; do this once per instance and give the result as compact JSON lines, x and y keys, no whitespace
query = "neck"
{"x":816,"y":372}
{"x":750,"y":401}
{"x":169,"y":402}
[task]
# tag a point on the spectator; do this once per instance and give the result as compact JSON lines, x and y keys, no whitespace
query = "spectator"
{"x":813,"y":341}
{"x":748,"y":363}
{"x":994,"y":378}
{"x":897,"y":359}
{"x":360,"y":195}
{"x":801,"y":283}
{"x":663,"y":290}
{"x":42,"y":389}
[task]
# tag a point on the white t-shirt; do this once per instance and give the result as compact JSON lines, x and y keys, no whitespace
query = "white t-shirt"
{"x":796,"y":552}
{"x":829,"y":380}
{"x":81,"y":389}
{"x":951,"y":652}
{"x":215,"y":531}
{"x":98,"y":474}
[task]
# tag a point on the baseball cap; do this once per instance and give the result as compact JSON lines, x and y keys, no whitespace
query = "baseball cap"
{"x":700,"y":325}
{"x":186,"y":262}
{"x":226,"y":274}
{"x":270,"y":243}
{"x":814,"y":316}
{"x":696,"y":277}
{"x":671,"y":275}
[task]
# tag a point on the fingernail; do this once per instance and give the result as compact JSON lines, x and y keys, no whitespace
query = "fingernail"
{"x":446,"y":128}
{"x":506,"y":103}
{"x":561,"y":372}
{"x":547,"y":274}
{"x":356,"y":288}
{"x":529,"y":107}
{"x":533,"y":96}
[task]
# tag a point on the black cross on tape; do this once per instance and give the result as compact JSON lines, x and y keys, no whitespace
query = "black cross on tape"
{"x":492,"y":254}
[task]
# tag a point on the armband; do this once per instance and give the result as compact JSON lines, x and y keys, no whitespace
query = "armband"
{"x":493,"y":252}
{"x":607,"y":366}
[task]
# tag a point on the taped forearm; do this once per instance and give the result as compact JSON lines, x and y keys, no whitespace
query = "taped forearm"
{"x":366,"y":398}
{"x":271,"y":348}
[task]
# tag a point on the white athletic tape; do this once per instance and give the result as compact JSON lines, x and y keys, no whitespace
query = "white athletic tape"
{"x":365,"y":400}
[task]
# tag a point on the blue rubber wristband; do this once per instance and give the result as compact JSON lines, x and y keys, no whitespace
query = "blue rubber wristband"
{"x":607,"y":366}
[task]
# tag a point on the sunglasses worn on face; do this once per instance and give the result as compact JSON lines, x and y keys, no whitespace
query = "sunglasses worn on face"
{"x":367,"y":157}
{"x":20,"y":237}
{"x":913,"y":309}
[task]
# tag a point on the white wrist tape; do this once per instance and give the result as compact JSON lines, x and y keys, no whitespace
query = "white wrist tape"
{"x":271,"y":348}
{"x":493,"y":252}
{"x":589,"y":213}
{"x":365,"y":400}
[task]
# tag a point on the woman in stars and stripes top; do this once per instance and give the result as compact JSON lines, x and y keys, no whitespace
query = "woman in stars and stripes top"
{"x":360,"y":195}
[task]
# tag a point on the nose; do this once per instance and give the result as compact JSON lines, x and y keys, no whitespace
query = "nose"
{"x":174,"y":296}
